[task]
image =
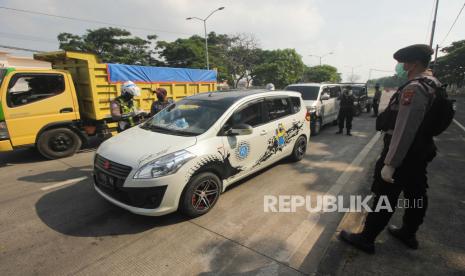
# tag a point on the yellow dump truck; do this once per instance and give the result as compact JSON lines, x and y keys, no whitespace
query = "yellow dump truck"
{"x":58,"y":110}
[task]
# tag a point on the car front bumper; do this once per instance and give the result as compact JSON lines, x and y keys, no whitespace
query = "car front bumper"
{"x":150,"y":197}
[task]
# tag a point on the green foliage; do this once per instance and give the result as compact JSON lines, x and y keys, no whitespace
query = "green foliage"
{"x":111,"y":45}
{"x":280,"y":67}
{"x":323,"y":73}
{"x":451,"y":67}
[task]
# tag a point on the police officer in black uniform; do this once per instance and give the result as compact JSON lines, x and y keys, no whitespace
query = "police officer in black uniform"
{"x":376,"y":100}
{"x":346,"y":110}
{"x":405,"y":156}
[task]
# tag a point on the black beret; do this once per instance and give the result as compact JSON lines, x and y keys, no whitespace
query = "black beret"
{"x":416,"y":52}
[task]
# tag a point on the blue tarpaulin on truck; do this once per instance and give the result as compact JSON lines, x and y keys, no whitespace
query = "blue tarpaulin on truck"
{"x":149,"y":74}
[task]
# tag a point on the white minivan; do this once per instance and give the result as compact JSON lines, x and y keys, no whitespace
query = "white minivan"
{"x":184,"y":157}
{"x":321,"y":100}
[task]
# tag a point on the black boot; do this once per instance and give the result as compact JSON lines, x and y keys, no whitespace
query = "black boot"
{"x":408,"y":239}
{"x":348,"y":132}
{"x":358,"y":241}
{"x":339,"y":132}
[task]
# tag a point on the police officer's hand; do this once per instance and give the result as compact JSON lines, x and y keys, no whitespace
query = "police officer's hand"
{"x":387,"y":172}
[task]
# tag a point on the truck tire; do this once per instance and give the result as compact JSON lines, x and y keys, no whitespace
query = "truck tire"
{"x":200,"y":195}
{"x":58,"y":143}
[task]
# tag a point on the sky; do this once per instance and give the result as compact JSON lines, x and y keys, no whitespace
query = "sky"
{"x":361,"y":34}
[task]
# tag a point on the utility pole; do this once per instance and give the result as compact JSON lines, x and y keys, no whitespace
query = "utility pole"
{"x":204,"y":20}
{"x":434,"y":24}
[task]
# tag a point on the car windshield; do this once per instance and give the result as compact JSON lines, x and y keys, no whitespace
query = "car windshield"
{"x":188,"y":117}
{"x":309,"y":93}
{"x":357,"y":90}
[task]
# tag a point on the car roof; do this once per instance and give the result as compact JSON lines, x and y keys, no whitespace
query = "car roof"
{"x":232,"y":96}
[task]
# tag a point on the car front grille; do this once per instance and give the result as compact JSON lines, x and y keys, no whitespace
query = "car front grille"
{"x":144,"y":197}
{"x":110,"y":176}
{"x":112,"y":168}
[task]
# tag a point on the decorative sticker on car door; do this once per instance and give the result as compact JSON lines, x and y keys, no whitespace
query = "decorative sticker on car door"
{"x":220,"y":162}
{"x":242,"y":150}
{"x":281,"y":139}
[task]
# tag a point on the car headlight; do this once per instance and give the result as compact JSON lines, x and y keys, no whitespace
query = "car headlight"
{"x":164,"y":165}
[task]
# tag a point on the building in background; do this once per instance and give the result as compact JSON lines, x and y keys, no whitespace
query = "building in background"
{"x":7,"y":60}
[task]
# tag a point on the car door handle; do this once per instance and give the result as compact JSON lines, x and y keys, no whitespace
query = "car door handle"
{"x":66,"y":110}
{"x":263,"y":132}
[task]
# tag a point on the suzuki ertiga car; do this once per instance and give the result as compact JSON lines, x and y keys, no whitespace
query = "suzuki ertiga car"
{"x":184,"y":157}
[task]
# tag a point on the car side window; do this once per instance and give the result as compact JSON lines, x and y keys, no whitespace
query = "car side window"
{"x":250,"y":114}
{"x":277,"y":108}
{"x":295,"y":104}
{"x":24,"y":89}
{"x":326,"y":90}
{"x":335,"y":92}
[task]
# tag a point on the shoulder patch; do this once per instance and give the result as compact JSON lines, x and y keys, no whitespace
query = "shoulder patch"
{"x":407,"y":96}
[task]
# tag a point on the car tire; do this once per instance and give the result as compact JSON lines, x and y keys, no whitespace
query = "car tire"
{"x":315,"y":127}
{"x":300,"y":147}
{"x":195,"y":200}
{"x":58,"y":143}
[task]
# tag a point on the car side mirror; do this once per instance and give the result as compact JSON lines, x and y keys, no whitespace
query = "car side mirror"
{"x":324,"y":97}
{"x":240,"y":129}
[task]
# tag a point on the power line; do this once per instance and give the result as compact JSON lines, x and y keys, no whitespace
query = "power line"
{"x":453,"y":24}
{"x":89,"y":20}
{"x":20,"y":49}
{"x":27,"y":37}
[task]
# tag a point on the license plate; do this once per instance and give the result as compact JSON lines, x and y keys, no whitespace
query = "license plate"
{"x":106,"y":180}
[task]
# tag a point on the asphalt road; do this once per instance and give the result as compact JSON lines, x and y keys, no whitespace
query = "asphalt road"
{"x":53,"y":222}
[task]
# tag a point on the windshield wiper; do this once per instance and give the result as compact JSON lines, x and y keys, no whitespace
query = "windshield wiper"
{"x":156,"y":128}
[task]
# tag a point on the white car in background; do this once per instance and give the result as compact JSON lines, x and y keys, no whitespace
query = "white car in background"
{"x":321,"y":101}
{"x":185,"y":156}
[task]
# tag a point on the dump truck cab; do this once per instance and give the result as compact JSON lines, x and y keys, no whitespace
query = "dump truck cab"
{"x":35,"y":101}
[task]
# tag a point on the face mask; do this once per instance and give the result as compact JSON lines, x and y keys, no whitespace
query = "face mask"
{"x":401,"y":73}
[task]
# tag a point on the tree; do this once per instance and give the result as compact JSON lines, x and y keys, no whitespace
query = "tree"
{"x":242,"y":57}
{"x":323,"y":73}
{"x":190,"y":53}
{"x":280,"y":67}
{"x":451,"y":67}
{"x":112,"y":45}
{"x":183,"y":52}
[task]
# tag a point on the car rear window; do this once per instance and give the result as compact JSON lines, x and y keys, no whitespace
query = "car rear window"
{"x":309,"y":93}
{"x":295,"y":104}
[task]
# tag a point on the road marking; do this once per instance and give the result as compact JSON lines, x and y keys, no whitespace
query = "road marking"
{"x":63,"y":183}
{"x":310,"y":226}
{"x":459,"y":124}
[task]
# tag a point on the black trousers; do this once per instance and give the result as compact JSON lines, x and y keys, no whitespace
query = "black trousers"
{"x":410,"y":178}
{"x":345,"y":115}
{"x":375,"y":108}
